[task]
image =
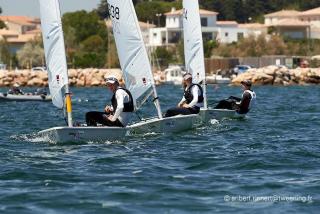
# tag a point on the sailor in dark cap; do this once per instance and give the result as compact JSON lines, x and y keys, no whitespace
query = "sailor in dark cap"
{"x":241,"y":105}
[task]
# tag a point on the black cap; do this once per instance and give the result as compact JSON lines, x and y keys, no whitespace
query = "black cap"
{"x":247,"y":83}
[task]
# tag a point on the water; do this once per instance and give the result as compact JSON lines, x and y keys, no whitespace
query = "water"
{"x":273,"y":152}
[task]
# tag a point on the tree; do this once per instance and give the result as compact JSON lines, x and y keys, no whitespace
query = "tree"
{"x":163,"y":55}
{"x":146,"y":11}
{"x":4,"y":52}
{"x":92,"y":53}
{"x":86,"y":39}
{"x":31,"y":54}
{"x":84,"y":24}
{"x":208,"y":46}
{"x":2,"y":25}
{"x":102,"y":9}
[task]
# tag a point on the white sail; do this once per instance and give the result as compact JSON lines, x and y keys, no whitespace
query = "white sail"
{"x":194,"y":56}
{"x":54,"y":49}
{"x":193,"y":43}
{"x":131,"y":49}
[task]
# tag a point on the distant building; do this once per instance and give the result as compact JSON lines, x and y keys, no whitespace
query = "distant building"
{"x":212,"y":29}
{"x":295,"y":24}
{"x":20,"y":30}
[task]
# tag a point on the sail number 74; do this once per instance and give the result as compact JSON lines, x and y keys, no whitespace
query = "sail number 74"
{"x":114,"y":12}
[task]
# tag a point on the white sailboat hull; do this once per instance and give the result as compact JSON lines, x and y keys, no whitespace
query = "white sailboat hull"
{"x":83,"y":134}
{"x":21,"y":98}
{"x":175,"y":124}
{"x":102,"y":134}
{"x":218,"y":114}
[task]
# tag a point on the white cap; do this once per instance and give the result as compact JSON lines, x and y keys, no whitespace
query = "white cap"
{"x":16,"y":85}
{"x":111,"y":80}
{"x":187,"y":76}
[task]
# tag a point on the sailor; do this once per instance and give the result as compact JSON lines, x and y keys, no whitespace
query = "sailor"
{"x":191,"y":101}
{"x":119,"y":113}
{"x":15,"y":90}
{"x":241,"y":105}
{"x":41,"y":91}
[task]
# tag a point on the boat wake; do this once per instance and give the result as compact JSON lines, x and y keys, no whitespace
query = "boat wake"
{"x":31,"y":138}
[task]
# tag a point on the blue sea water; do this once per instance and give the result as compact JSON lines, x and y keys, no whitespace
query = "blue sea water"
{"x":268,"y":162}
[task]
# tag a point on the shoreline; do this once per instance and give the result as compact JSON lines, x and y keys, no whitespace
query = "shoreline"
{"x":92,"y":77}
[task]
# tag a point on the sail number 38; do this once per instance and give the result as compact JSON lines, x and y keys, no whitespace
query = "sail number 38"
{"x":114,"y":12}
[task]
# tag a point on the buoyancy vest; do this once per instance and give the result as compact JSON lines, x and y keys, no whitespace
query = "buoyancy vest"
{"x":189,"y":96}
{"x":253,"y":97}
{"x":128,"y":106}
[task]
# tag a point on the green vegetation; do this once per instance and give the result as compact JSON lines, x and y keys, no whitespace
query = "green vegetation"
{"x":4,"y":52}
{"x":147,"y":10}
{"x":31,"y":54}
{"x":88,"y":44}
{"x":86,"y":39}
{"x":102,"y":9}
{"x":2,"y":25}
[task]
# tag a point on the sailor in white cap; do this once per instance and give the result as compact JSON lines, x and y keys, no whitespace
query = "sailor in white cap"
{"x":191,"y":101}
{"x":118,"y":114}
{"x":16,"y":90}
{"x":241,"y":105}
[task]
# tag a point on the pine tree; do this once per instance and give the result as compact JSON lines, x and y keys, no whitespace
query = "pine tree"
{"x":2,"y":25}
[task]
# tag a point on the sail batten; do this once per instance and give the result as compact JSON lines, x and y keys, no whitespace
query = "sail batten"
{"x":54,"y":48}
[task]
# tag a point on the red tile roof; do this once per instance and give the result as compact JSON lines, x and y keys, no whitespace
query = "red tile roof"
{"x":180,"y":12}
{"x":312,"y":12}
{"x":21,"y":20}
{"x":284,"y":13}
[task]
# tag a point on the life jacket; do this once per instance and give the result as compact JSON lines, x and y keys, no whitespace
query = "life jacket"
{"x":128,"y":106}
{"x":189,"y":96}
{"x":253,"y":97}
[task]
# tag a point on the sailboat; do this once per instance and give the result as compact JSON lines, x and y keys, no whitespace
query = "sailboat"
{"x":194,"y":58}
{"x":136,"y":71}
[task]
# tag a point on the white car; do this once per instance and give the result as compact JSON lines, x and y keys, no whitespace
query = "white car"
{"x":239,"y":69}
{"x":3,"y":66}
{"x":38,"y":69}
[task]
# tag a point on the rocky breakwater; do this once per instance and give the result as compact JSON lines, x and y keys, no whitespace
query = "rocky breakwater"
{"x":274,"y":75}
{"x":77,"y":77}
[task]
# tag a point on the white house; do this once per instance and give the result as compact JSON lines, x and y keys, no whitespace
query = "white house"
{"x":311,"y":16}
{"x":295,"y":24}
{"x":274,"y":18}
{"x":223,"y":31}
{"x":19,"y":30}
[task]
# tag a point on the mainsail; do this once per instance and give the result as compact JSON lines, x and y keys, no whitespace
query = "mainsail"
{"x":193,"y":43}
{"x":131,"y":49}
{"x":54,"y":49}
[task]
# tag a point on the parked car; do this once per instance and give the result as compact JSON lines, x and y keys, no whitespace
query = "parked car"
{"x":38,"y":69}
{"x":241,"y":69}
{"x":3,"y":66}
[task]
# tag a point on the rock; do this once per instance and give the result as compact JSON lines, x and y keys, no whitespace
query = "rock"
{"x":72,"y":73}
{"x":35,"y":82}
{"x":95,"y":82}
